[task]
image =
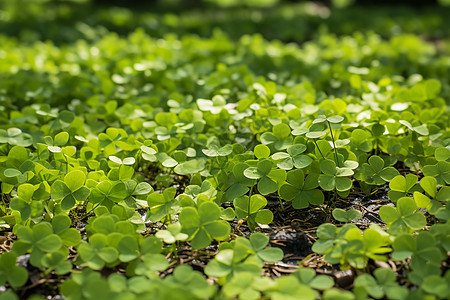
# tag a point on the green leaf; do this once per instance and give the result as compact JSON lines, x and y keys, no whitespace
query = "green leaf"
{"x":60,"y":223}
{"x":328,"y":167}
{"x":190,"y":167}
{"x":261,"y":151}
{"x":346,"y":216}
{"x":315,"y":134}
{"x":335,"y":119}
{"x":50,"y":243}
{"x":59,"y":190}
{"x":61,"y":139}
{"x":12,"y":172}
{"x":74,"y":180}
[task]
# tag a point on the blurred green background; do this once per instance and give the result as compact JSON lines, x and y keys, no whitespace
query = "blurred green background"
{"x":66,"y":21}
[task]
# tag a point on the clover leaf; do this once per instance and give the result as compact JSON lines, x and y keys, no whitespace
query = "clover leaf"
{"x":215,"y":105}
{"x":401,"y":186}
{"x":16,"y":276}
{"x":259,"y":242}
{"x":162,"y":205}
{"x":268,"y":179}
{"x":243,"y":285}
{"x":433,"y":204}
{"x":57,"y":261}
{"x":136,"y":190}
{"x":360,"y":141}
{"x":15,"y":136}
{"x":242,"y":256}
{"x":108,"y":193}
{"x":288,"y":287}
{"x":191,"y":284}
{"x":333,"y":177}
{"x":300,"y":190}
{"x":38,"y":240}
{"x":203,"y":224}
{"x":293,"y":157}
{"x":441,"y":171}
{"x":375,"y":172}
{"x":280,"y":137}
{"x":404,"y":218}
{"x":383,"y":283}
{"x":171,"y":234}
{"x":422,"y":247}
{"x":261,"y":151}
{"x":24,"y":202}
{"x":97,"y":252}
{"x":125,"y":161}
{"x":143,"y":255}
{"x":71,"y":190}
{"x":148,"y":153}
{"x":239,"y":184}
{"x":252,"y":209}
{"x":346,"y":216}
{"x":214,"y":150}
{"x":308,"y":277}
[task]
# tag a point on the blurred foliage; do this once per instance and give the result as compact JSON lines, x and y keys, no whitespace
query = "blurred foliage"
{"x":69,"y":21}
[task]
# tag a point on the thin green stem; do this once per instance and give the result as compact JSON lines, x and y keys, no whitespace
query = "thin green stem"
{"x":314,"y":140}
{"x":334,"y":145}
{"x":249,"y":197}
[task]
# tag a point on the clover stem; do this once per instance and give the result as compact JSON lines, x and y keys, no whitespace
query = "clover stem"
{"x":249,"y":197}
{"x":281,"y":204}
{"x":335,"y":151}
{"x":92,"y":210}
{"x":4,"y":208}
{"x":218,"y":162}
{"x":67,"y":163}
{"x":314,"y":140}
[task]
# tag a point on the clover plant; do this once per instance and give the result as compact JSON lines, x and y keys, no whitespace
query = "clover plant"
{"x":202,"y":224}
{"x":301,"y":190}
{"x":403,"y":218}
{"x":127,"y":154}
{"x":9,"y":272}
{"x":268,"y":178}
{"x":346,"y":215}
{"x":70,"y":191}
{"x":253,"y":210}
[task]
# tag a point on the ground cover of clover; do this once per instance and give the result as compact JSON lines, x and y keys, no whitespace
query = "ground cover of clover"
{"x":302,"y":152}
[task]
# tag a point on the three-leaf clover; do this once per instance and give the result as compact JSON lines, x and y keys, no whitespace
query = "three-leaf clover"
{"x":203,"y":224}
{"x":143,"y":255}
{"x":346,"y":216}
{"x":375,"y":172}
{"x":333,"y":177}
{"x":108,"y":192}
{"x":71,"y":190}
{"x":433,"y":204}
{"x":252,"y":208}
{"x":280,"y":137}
{"x":404,"y":218}
{"x":214,"y":150}
{"x":300,"y":190}
{"x":162,"y":205}
{"x":9,"y":272}
{"x":308,"y":277}
{"x":171,"y":234}
{"x":401,"y":185}
{"x":98,"y":251}
{"x":39,"y":240}
{"x":268,"y":178}
{"x":382,"y":283}
{"x":293,"y":157}
{"x":24,"y":202}
{"x":441,"y":171}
